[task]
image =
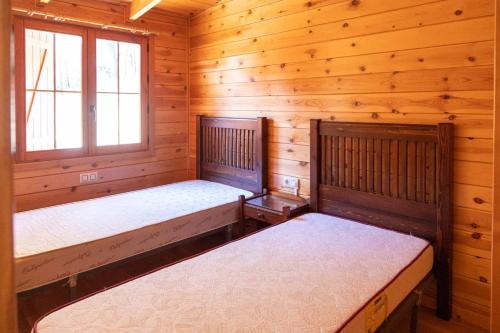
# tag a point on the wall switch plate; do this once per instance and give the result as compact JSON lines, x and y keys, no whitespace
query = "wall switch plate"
{"x":290,"y":182}
{"x":88,"y":177}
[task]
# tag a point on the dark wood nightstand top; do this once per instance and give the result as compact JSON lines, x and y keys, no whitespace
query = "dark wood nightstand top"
{"x":277,"y":203}
{"x":271,"y":209}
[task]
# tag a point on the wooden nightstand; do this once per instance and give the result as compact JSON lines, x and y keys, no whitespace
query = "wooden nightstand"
{"x":271,"y":209}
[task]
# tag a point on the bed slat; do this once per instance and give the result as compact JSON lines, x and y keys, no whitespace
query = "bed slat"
{"x":231,"y":151}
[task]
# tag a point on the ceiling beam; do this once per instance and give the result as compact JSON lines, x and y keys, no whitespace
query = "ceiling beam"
{"x":141,"y":7}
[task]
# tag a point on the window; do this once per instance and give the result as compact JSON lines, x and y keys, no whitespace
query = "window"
{"x":79,"y":91}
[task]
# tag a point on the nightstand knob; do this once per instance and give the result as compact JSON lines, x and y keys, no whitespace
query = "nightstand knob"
{"x":260,"y":215}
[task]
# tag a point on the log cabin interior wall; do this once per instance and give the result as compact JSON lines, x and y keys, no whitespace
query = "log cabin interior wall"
{"x":404,"y":61}
{"x":8,"y":320}
{"x":47,"y":183}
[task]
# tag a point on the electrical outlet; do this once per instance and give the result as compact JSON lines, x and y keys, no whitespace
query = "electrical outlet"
{"x":290,"y":182}
{"x":88,"y":177}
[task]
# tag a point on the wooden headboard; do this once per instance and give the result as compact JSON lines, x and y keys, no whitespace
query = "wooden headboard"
{"x":398,"y":177}
{"x":232,"y":151}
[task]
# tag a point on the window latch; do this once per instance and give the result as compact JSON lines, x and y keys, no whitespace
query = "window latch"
{"x":92,"y":112}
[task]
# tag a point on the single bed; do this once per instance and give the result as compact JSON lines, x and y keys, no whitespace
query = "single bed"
{"x":58,"y":242}
{"x":311,"y":274}
{"x":317,"y":272}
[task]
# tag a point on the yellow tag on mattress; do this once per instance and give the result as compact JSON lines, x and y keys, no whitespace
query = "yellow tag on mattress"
{"x":375,"y":313}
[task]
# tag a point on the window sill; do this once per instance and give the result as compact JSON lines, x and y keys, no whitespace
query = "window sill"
{"x":83,"y":163}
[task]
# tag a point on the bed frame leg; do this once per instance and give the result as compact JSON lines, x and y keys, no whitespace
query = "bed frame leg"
{"x":414,"y":312}
{"x":72,"y":282}
{"x":229,"y":233}
{"x":241,"y":203}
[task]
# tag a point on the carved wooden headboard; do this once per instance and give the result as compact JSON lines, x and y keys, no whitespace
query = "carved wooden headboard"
{"x":398,"y":177}
{"x":232,"y":151}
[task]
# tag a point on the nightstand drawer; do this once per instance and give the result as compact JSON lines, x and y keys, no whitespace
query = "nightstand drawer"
{"x":263,"y":215}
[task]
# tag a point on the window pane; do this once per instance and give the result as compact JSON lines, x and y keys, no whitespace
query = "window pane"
{"x":107,"y":65}
{"x":130,"y":67}
{"x":39,"y":50}
{"x":107,"y":119}
{"x":40,"y":121}
{"x":53,"y":119}
{"x":68,"y":62}
{"x":130,"y":118}
{"x":68,"y":120}
{"x":118,"y":85}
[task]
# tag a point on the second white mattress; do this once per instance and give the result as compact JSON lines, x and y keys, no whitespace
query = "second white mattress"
{"x":315,"y":273}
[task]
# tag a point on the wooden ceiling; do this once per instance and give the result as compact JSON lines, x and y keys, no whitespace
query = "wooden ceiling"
{"x":187,"y":7}
{"x":183,"y":7}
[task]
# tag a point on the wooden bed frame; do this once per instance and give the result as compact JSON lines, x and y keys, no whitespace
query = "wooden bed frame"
{"x":232,"y":151}
{"x":398,"y":177}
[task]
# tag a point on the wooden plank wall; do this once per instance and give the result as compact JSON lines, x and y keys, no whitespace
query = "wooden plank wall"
{"x":8,"y":313}
{"x":47,"y":183}
{"x":403,"y":61}
{"x":495,"y":293}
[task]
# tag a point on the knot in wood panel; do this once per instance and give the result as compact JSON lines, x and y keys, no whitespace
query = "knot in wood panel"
{"x":478,"y":200}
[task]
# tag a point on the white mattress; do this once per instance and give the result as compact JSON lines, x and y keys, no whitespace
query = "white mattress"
{"x":55,"y":242}
{"x":315,"y":273}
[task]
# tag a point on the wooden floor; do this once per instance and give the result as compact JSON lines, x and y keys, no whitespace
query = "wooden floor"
{"x":34,"y":304}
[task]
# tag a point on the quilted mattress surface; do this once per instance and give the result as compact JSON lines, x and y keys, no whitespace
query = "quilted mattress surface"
{"x":315,"y":273}
{"x":55,"y":242}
